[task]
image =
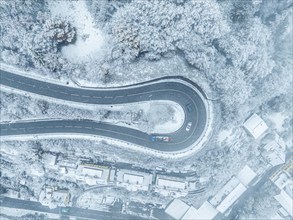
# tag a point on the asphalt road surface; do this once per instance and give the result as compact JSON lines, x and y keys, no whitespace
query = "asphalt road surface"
{"x":72,"y":211}
{"x":168,"y":89}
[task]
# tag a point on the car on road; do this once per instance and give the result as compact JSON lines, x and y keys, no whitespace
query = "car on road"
{"x":156,"y":138}
{"x":188,"y":126}
{"x":64,"y":210}
{"x":189,"y":107}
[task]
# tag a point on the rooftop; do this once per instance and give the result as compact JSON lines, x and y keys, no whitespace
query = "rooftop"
{"x":255,"y":126}
{"x":274,"y":153}
{"x":246,"y":175}
{"x":231,"y":198}
{"x":177,"y":208}
{"x":170,"y":182}
{"x":207,"y":211}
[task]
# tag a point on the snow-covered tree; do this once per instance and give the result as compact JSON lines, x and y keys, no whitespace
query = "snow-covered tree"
{"x":154,"y":28}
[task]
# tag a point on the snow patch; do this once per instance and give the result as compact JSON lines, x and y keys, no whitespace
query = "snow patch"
{"x":89,"y":40}
{"x":278,"y":119}
{"x":225,"y":135}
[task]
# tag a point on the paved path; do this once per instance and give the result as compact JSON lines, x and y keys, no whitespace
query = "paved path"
{"x":72,"y":211}
{"x":176,"y":89}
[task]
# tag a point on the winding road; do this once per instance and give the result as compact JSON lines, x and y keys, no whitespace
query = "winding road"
{"x":178,"y":89}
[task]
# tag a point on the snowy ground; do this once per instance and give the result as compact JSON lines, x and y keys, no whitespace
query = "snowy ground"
{"x":97,"y":198}
{"x":90,"y":40}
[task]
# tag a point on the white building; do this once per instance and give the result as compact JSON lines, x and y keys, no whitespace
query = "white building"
{"x":255,"y":126}
{"x":220,"y":203}
{"x":53,"y":198}
{"x":233,"y":189}
{"x":93,"y":174}
{"x":283,"y":180}
{"x":275,"y":152}
{"x":177,"y":208}
{"x":133,"y":180}
{"x":246,"y":175}
{"x":49,"y":160}
{"x":171,"y":186}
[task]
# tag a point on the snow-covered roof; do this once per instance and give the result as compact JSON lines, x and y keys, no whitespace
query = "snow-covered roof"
{"x":275,"y":153}
{"x":49,"y":159}
{"x":171,"y":183}
{"x":255,"y":126}
{"x":224,"y":191}
{"x":282,"y":180}
{"x":61,"y":196}
{"x":132,"y":178}
{"x":207,"y":211}
{"x":231,"y":198}
{"x":90,"y":171}
{"x":177,"y":208}
{"x":285,"y":201}
{"x":191,"y":214}
{"x":246,"y":175}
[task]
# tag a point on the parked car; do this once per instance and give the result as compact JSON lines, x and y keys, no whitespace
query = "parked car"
{"x":156,"y":138}
{"x":188,"y":126}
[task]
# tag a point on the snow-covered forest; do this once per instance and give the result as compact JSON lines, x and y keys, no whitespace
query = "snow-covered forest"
{"x":239,"y":52}
{"x":242,"y":49}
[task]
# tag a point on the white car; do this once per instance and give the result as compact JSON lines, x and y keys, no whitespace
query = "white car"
{"x":188,"y":126}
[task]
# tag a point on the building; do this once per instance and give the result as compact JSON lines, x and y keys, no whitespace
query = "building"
{"x":53,"y":198}
{"x":246,"y":176}
{"x":177,"y":209}
{"x":133,"y":180}
{"x":233,"y":189}
{"x":275,"y":152}
{"x":93,"y":174}
{"x":255,"y":126}
{"x":207,"y":211}
{"x":228,"y":195}
{"x":283,"y":180}
{"x":49,"y":160}
{"x":171,"y":186}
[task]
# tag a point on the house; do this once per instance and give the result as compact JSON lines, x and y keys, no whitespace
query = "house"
{"x":283,"y":180}
{"x":177,"y":208}
{"x":93,"y":174}
{"x":49,"y":160}
{"x":233,"y":189}
{"x":255,"y":126}
{"x":51,"y":197}
{"x":134,"y":180}
{"x":246,"y":175}
{"x":275,"y":151}
{"x":171,"y":186}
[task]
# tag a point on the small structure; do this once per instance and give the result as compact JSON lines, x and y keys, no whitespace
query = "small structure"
{"x":275,"y":152}
{"x":246,"y":175}
{"x":49,"y":160}
{"x":134,"y":180}
{"x":255,"y":126}
{"x":283,"y":180}
{"x":177,"y":208}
